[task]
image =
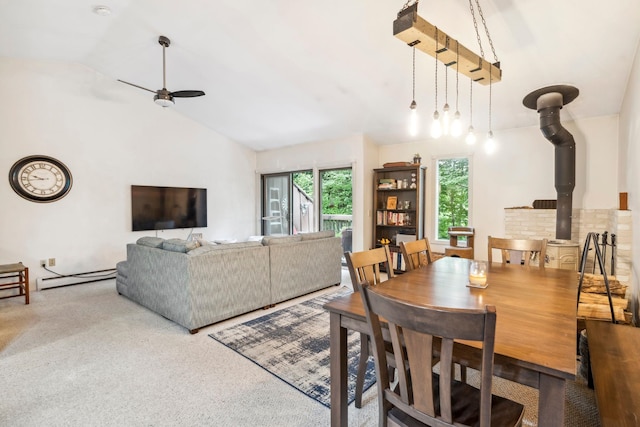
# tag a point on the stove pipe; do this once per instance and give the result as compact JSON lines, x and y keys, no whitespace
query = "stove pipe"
{"x":548,"y":101}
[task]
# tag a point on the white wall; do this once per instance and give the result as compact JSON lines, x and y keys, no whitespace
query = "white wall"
{"x":521,"y":170}
{"x":110,"y":137}
{"x":629,"y":159}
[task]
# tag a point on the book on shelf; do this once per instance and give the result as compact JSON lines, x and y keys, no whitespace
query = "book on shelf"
{"x":387,"y":184}
{"x":397,"y":262}
{"x":385,"y":217}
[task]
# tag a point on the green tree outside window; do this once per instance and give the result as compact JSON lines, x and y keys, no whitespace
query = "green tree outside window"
{"x":452,"y":194}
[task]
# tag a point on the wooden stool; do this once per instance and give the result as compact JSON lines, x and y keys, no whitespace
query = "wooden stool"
{"x":15,"y":271}
{"x":454,"y":249}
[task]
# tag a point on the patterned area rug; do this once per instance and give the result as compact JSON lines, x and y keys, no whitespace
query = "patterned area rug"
{"x":293,"y":345}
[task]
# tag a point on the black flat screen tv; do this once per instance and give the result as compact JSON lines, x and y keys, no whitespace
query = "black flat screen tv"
{"x":164,"y":208}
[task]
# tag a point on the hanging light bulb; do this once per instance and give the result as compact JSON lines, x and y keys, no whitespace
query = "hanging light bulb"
{"x":413,"y":118}
{"x":456,"y":125}
{"x":471,"y":136}
{"x":446,"y":119}
{"x":436,"y":126}
{"x":490,"y":145}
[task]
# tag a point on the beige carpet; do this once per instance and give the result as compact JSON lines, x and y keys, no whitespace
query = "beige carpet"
{"x":580,"y":405}
{"x":85,"y":356}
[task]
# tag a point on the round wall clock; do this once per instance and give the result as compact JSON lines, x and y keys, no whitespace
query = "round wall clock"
{"x":40,"y":178}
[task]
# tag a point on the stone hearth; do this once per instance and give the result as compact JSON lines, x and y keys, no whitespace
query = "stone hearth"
{"x":541,"y":223}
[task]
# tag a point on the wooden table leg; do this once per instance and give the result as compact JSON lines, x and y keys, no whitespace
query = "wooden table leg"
{"x":551,"y":401}
{"x":338,"y":365}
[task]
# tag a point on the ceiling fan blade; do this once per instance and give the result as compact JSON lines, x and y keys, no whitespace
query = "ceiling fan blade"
{"x":139,"y":87}
{"x":187,"y":93}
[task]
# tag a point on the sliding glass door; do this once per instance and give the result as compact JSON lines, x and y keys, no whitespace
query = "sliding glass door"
{"x":276,"y":191}
{"x":287,"y":203}
{"x":336,"y":207}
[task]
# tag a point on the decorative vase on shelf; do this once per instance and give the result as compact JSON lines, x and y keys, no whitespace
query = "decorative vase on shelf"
{"x":416,"y":158}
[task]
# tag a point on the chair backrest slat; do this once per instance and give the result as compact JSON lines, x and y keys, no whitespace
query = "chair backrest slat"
{"x":530,"y":248}
{"x":365,"y":266}
{"x":416,"y":253}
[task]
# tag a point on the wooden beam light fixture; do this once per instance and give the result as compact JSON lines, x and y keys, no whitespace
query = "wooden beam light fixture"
{"x":419,"y":33}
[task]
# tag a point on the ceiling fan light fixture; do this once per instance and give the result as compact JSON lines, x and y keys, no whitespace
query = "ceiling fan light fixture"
{"x":164,"y":100}
{"x":163,"y":97}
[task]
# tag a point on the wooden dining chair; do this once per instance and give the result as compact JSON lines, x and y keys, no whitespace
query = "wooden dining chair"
{"x":365,"y":267}
{"x":369,"y":266}
{"x":420,"y":334}
{"x":416,"y":253}
{"x":515,"y":250}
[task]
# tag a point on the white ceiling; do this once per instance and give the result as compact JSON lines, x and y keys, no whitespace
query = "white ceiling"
{"x":284,"y":72}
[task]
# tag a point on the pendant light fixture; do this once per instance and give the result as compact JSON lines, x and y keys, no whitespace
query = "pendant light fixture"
{"x":421,"y":34}
{"x":436,"y":127}
{"x":413,"y":117}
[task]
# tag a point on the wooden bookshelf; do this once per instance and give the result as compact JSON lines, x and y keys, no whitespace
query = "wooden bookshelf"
{"x":398,"y":204}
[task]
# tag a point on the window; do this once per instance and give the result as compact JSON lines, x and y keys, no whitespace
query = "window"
{"x":452,"y":194}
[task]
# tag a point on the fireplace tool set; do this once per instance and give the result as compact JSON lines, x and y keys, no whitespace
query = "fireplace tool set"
{"x":599,"y":256}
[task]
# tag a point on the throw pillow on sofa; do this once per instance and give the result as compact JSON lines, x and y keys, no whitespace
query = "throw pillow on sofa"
{"x":152,"y":242}
{"x":179,"y":245}
{"x":229,"y":246}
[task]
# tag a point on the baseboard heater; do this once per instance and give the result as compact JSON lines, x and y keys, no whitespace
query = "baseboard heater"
{"x":74,"y":279}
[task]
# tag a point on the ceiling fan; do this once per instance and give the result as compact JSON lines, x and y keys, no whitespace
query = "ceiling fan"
{"x":164,"y":97}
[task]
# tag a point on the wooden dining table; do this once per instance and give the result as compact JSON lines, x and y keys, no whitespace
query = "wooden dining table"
{"x":535,"y":341}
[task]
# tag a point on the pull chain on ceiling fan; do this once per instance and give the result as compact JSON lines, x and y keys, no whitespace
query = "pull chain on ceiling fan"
{"x":164,"y":97}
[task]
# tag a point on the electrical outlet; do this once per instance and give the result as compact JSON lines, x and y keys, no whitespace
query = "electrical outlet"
{"x":43,"y":263}
{"x":52,"y":262}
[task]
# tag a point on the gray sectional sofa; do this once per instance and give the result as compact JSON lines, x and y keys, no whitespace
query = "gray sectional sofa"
{"x":197,"y":285}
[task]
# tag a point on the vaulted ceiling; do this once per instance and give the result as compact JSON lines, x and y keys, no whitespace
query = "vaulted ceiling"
{"x":284,"y":72}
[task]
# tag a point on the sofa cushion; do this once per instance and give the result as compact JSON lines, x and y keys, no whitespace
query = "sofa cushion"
{"x":229,"y":246}
{"x":179,"y":245}
{"x":122,"y":268}
{"x":280,"y":240}
{"x":318,"y":235}
{"x":202,"y":250}
{"x":152,"y":242}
